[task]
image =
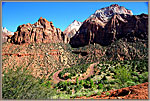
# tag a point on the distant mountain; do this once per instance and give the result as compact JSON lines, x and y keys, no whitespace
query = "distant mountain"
{"x":105,"y":14}
{"x":5,"y":34}
{"x":71,"y":30}
{"x":110,"y":24}
{"x":42,"y":31}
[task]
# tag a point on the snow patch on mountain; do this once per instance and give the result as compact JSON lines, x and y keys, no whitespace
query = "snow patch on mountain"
{"x":106,"y":13}
{"x":71,"y":30}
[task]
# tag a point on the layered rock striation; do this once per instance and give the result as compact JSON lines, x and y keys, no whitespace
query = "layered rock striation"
{"x":110,"y":24}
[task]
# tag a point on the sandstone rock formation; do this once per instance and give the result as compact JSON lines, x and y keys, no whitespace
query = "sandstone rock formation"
{"x":42,"y":31}
{"x":110,"y":24}
{"x":6,"y":34}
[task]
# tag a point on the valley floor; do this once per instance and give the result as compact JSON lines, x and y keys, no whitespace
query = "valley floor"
{"x":57,"y":71}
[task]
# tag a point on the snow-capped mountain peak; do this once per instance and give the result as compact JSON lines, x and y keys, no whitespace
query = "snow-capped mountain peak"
{"x":104,"y":14}
{"x":72,"y":28}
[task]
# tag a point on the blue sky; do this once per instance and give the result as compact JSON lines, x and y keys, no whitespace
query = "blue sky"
{"x":60,"y":13}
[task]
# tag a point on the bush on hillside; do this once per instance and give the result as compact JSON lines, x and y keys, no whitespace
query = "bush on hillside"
{"x":21,"y":85}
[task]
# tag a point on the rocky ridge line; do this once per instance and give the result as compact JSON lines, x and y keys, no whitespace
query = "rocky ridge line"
{"x":42,"y":31}
{"x":71,"y":30}
{"x":120,"y":24}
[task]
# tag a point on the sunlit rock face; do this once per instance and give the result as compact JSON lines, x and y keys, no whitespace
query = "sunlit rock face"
{"x":71,"y":30}
{"x":43,"y":31}
{"x":106,"y":13}
{"x":110,"y":24}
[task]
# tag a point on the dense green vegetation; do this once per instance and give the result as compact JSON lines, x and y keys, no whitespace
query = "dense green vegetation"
{"x":108,"y":75}
{"x":111,"y":75}
{"x":21,"y":85}
{"x":77,"y":69}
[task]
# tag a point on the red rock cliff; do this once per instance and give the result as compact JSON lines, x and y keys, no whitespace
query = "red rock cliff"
{"x":97,"y":29}
{"x":41,"y":31}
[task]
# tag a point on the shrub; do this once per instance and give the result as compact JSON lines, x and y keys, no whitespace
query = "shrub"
{"x":130,"y":83}
{"x":91,"y":83}
{"x":77,"y":81}
{"x":82,"y":82}
{"x":135,"y":79}
{"x":107,"y":93}
{"x":77,"y":88}
{"x":69,"y":83}
{"x":134,"y":73}
{"x":144,"y":77}
{"x":122,"y":74}
{"x":87,"y":84}
{"x":46,"y":84}
{"x":65,"y":85}
{"x":21,"y":85}
{"x":60,"y":84}
{"x":108,"y":87}
{"x":98,"y":93}
{"x":105,"y":81}
{"x":112,"y":82}
{"x":100,"y":86}
{"x":76,"y":69}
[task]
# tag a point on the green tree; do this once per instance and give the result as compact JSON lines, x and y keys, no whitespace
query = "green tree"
{"x":91,"y":83}
{"x":122,"y":74}
{"x":21,"y":85}
{"x":100,"y":86}
{"x":77,"y":80}
{"x":65,"y":85}
{"x":69,"y":83}
{"x":82,"y":82}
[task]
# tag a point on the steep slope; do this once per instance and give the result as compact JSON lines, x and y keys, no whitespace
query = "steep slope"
{"x":106,"y":13}
{"x":42,"y":31}
{"x":5,"y":34}
{"x":71,"y":30}
{"x":110,"y":24}
{"x":41,"y":59}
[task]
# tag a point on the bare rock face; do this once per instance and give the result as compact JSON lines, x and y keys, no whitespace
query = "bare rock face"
{"x":106,"y":13}
{"x":107,"y":30}
{"x":6,"y":34}
{"x":71,"y":30}
{"x":42,"y":31}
